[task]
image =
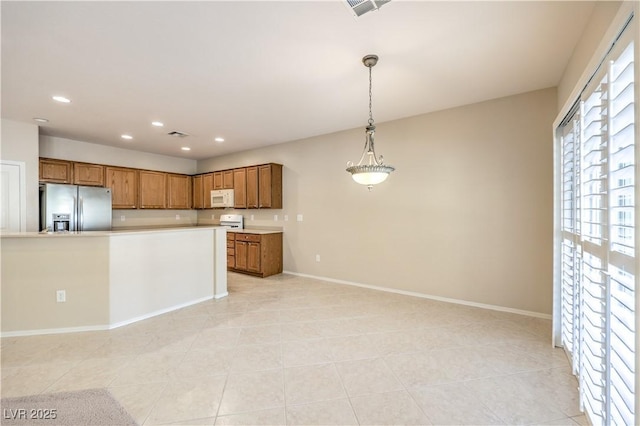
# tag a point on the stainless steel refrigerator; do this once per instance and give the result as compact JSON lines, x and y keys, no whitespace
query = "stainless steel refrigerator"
{"x":74,"y":208}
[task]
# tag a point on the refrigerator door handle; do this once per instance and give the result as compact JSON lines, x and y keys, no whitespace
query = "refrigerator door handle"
{"x":80,"y":214}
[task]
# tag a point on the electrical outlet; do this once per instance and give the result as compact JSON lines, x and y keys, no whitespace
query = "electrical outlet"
{"x":252,"y":217}
{"x":122,"y":218}
{"x":299,"y":218}
{"x":286,"y":217}
{"x":275,"y":217}
{"x":177,"y":217}
{"x":317,"y":258}
{"x":61,"y":296}
{"x":213,"y":216}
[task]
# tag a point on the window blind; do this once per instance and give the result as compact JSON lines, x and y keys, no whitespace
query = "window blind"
{"x":598,"y":254}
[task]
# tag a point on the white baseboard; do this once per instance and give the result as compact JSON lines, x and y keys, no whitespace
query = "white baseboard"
{"x":158,"y":312}
{"x":21,"y":333}
{"x":426,"y":296}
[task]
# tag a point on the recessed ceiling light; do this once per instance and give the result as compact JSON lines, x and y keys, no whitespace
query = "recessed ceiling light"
{"x":219,"y":139}
{"x":157,"y":123}
{"x":127,"y":137}
{"x":186,"y":148}
{"x":41,"y":120}
{"x":61,"y":99}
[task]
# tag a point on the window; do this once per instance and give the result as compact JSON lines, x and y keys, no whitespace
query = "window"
{"x":597,"y":254}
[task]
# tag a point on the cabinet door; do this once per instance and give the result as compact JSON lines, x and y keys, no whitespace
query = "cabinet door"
{"x":240,"y":188}
{"x":227,"y":179}
{"x":207,"y":186}
{"x":231,"y":250}
{"x":153,"y":190}
{"x":124,"y":187}
{"x":252,"y":187}
{"x":196,"y":185}
{"x":217,"y":180}
{"x":88,"y":174}
{"x":270,"y":186}
{"x":241,"y":255}
{"x":56,"y":171}
{"x":253,"y":257}
{"x":178,"y":191}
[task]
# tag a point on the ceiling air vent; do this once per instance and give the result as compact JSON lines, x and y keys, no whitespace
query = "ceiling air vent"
{"x":360,"y":7}
{"x":177,"y":134}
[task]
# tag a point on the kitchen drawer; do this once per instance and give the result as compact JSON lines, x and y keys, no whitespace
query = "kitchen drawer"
{"x":231,"y":236}
{"x":248,"y":237}
{"x":231,"y":243}
{"x":231,"y":251}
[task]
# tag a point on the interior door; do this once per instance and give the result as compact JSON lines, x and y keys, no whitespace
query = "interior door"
{"x":13,"y":199}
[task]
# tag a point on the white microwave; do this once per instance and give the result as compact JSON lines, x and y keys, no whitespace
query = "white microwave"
{"x":222,"y":198}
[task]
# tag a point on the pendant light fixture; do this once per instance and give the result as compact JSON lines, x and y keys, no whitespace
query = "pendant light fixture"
{"x":370,"y":170}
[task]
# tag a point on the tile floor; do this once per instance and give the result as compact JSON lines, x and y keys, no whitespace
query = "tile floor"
{"x":291,"y":350}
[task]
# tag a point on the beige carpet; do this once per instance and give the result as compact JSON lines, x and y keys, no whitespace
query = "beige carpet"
{"x":88,"y":407}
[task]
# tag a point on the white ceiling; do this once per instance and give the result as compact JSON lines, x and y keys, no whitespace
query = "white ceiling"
{"x":266,"y":72}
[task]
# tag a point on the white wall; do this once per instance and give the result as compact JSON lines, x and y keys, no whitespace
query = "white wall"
{"x":20,"y":143}
{"x":467,"y":214}
{"x":67,"y":149}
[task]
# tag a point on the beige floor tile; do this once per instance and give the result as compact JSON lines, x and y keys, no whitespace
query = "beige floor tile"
{"x":367,"y":376}
{"x":149,"y":368}
{"x":333,"y":412}
{"x":388,"y":408}
{"x":294,"y":331}
{"x":90,"y":374}
{"x":259,"y":335}
{"x":256,"y":358}
{"x":210,"y":338}
{"x":138,"y":400}
{"x":272,"y":416}
{"x":32,"y":379}
{"x":203,"y":363}
{"x":305,"y":352}
{"x":312,"y":383}
{"x":453,"y":404}
{"x":352,"y":347}
{"x":514,"y":401}
{"x":182,"y":401}
{"x":255,"y":391}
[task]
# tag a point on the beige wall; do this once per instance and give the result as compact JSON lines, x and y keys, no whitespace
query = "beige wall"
{"x":33,"y":269}
{"x":20,"y":143}
{"x":467,"y":214}
{"x":591,"y":40}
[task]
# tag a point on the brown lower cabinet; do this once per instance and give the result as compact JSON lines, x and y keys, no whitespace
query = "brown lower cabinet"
{"x":254,"y":254}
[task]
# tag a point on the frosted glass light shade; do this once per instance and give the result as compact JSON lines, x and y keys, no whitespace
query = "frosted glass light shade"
{"x":370,"y":178}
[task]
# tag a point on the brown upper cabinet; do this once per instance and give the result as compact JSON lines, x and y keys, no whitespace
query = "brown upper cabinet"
{"x":55,"y":171}
{"x":178,"y":191}
{"x":270,"y":186}
{"x":207,"y":187}
{"x":198,"y":193}
{"x":124,"y":187}
{"x":88,"y":174}
{"x":252,"y":187}
{"x":240,"y":188}
{"x":217,"y":180}
{"x":152,"y":190}
{"x":227,"y":179}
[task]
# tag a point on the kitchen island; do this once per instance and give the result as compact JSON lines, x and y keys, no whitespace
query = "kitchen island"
{"x":107,"y":279}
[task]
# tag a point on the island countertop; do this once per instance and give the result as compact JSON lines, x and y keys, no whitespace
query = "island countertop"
{"x":127,"y":231}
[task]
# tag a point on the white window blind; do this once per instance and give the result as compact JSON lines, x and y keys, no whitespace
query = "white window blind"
{"x":597,"y":256}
